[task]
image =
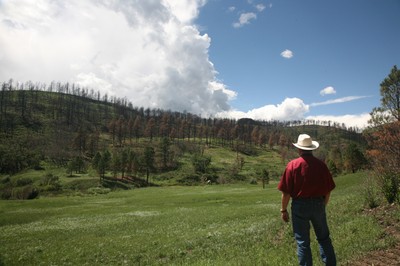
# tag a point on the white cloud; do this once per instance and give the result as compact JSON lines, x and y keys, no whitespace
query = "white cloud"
{"x":147,"y":51}
{"x":244,"y":19}
{"x":328,"y":90}
{"x":231,"y":8}
{"x":185,"y":11}
{"x":289,"y":109}
{"x":260,"y":7}
{"x":339,"y":100}
{"x":358,"y":120}
{"x":287,"y":54}
{"x":292,"y":109}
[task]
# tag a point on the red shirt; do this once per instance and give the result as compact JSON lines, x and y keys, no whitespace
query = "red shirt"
{"x":306,"y":177}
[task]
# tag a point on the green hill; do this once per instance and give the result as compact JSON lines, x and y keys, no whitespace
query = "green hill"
{"x":62,"y":138}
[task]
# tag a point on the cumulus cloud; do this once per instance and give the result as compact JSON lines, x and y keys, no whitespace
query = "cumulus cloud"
{"x":287,"y":54}
{"x":292,"y":109}
{"x":147,"y":51}
{"x":339,"y":100}
{"x":359,"y":120}
{"x":289,"y":109}
{"x":328,"y":90}
{"x":244,"y":19}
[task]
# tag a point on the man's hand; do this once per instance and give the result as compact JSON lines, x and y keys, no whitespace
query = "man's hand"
{"x":285,"y":216}
{"x":284,"y":205}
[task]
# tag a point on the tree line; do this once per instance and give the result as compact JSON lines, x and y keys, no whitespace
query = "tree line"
{"x":27,"y":96}
{"x":67,"y":124}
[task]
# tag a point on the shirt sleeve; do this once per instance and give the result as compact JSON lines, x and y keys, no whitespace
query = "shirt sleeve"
{"x":286,"y":182}
{"x":331,"y":184}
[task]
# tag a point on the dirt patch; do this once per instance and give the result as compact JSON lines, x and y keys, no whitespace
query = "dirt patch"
{"x":388,"y":217}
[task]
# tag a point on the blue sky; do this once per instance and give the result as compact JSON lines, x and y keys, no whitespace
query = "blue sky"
{"x":347,"y":45}
{"x":281,"y":60}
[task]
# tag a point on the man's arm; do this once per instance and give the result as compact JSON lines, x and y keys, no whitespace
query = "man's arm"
{"x":284,"y":204}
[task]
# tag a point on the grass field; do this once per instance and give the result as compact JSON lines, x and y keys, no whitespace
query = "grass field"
{"x":199,"y":225}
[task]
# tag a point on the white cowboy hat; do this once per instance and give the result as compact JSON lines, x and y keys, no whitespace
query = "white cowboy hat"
{"x":304,"y":142}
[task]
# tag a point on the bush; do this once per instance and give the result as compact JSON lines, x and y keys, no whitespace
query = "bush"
{"x":50,"y":188}
{"x":50,"y":182}
{"x":238,"y":177}
{"x":98,"y":190}
{"x":82,"y":185}
{"x":5,"y":193}
{"x":390,"y":187}
{"x":23,"y":181}
{"x":265,"y":176}
{"x":192,"y":179}
{"x":247,"y":150}
{"x":5,"y":180}
{"x":253,"y":181}
{"x":371,"y":193}
{"x":222,"y":180}
{"x":48,"y":179}
{"x":201,"y":163}
{"x":333,"y":168}
{"x":22,"y":193}
{"x":212,"y":177}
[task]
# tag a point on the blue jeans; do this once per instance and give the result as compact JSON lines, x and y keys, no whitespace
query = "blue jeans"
{"x":312,"y":210}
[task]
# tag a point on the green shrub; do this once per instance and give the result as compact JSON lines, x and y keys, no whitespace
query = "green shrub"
{"x":50,"y":188}
{"x":82,"y":185}
{"x":265,"y":176}
{"x":333,"y":168}
{"x":390,"y":186}
{"x":238,"y":177}
{"x":26,"y":192}
{"x":5,"y":180}
{"x":222,"y":180}
{"x":50,"y":182}
{"x":114,"y":184}
{"x":371,"y":195}
{"x":98,"y":190}
{"x":247,"y":150}
{"x":23,"y":181}
{"x":191,"y":179}
{"x":253,"y":181}
{"x":49,"y":179}
{"x":201,"y":163}
{"x":210,"y":177}
{"x":5,"y":193}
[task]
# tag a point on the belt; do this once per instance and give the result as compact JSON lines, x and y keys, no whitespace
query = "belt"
{"x":311,"y":198}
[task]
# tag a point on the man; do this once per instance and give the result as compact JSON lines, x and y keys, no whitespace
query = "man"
{"x":309,"y":183}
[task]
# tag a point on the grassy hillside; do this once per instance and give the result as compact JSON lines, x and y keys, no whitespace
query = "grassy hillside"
{"x":50,"y":141}
{"x":196,"y":225}
{"x":223,"y":169}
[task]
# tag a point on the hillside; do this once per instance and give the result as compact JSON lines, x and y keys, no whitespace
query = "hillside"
{"x":62,"y":132}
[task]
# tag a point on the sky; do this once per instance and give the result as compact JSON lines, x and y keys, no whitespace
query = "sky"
{"x":266,"y":60}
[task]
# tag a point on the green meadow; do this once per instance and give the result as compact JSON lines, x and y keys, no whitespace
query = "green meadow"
{"x":196,"y":225}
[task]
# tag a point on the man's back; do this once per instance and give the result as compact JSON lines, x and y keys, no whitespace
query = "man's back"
{"x":306,"y":177}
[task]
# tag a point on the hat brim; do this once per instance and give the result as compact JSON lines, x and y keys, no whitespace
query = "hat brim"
{"x":314,"y":146}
